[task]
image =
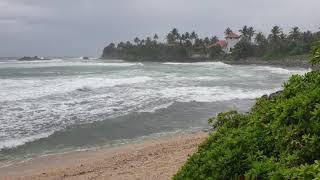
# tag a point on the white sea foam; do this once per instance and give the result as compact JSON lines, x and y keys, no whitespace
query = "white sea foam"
{"x":59,"y":113}
{"x":18,"y":89}
{"x":61,"y":63}
{"x":278,"y":70}
{"x":218,"y":64}
{"x":33,"y":62}
{"x":11,"y":143}
{"x":192,"y":78}
{"x":206,"y":78}
{"x":212,"y":94}
{"x":153,"y":109}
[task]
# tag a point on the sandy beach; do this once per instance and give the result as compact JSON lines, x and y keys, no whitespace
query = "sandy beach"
{"x":151,"y":159}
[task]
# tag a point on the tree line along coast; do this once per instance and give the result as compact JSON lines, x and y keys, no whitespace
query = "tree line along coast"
{"x":247,"y":43}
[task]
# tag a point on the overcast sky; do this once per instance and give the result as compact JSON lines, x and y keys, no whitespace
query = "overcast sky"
{"x":84,"y":27}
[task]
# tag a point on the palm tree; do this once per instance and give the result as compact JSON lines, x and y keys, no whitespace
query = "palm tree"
{"x":275,"y":33}
{"x":175,"y":34}
{"x":193,"y":37}
{"x":283,"y":36}
{"x":262,"y":43}
{"x":308,"y":37}
{"x":136,"y":40}
{"x":228,"y":31}
{"x":170,"y":38}
{"x":276,"y":39}
{"x":260,"y":39}
{"x":121,"y":45}
{"x":111,"y":46}
{"x":206,"y":41}
{"x":247,"y":33}
{"x":175,"y":31}
{"x":128,"y":44}
{"x":244,"y":31}
{"x":214,"y":39}
{"x":155,"y":37}
{"x":183,"y":39}
{"x":142,"y":42}
{"x":251,"y":33}
{"x":295,"y":33}
{"x":187,"y":35}
{"x":148,"y":42}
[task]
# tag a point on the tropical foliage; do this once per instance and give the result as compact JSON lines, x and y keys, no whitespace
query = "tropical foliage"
{"x":278,"y":139}
{"x":315,"y":58}
{"x":188,"y":45}
{"x":274,"y":46}
{"x":178,"y":46}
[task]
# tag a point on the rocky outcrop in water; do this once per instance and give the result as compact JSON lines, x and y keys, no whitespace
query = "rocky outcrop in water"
{"x":85,"y":58}
{"x":35,"y":58}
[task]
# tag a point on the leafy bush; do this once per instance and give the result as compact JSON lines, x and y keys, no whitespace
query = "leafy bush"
{"x":278,"y":139}
{"x":315,"y":60}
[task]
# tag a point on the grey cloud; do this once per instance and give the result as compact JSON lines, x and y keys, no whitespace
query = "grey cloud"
{"x":83,"y":27}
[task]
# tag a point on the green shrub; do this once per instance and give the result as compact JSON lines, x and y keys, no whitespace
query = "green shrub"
{"x":315,"y":60}
{"x":278,"y":139}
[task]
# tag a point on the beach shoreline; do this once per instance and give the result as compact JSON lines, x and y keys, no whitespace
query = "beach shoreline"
{"x":151,"y":159}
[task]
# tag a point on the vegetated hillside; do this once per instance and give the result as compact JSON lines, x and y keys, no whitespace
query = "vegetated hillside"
{"x":278,"y":139}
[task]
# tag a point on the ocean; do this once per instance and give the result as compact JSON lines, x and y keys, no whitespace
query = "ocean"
{"x":69,"y":104}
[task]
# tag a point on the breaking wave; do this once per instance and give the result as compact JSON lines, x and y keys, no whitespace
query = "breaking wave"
{"x":278,"y":70}
{"x":34,"y":88}
{"x":61,"y":63}
{"x":219,"y":64}
{"x":12,"y":143}
{"x":213,"y":94}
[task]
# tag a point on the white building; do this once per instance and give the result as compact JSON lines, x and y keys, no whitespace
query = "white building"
{"x":232,"y":39}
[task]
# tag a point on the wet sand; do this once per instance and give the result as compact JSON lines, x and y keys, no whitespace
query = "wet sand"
{"x":151,"y":159}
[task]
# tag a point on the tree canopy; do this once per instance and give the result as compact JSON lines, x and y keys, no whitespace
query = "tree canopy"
{"x":276,"y":45}
{"x":177,"y":46}
{"x":182,"y":46}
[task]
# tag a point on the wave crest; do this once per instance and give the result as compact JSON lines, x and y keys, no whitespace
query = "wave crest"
{"x":219,"y":64}
{"x":12,"y":143}
{"x":278,"y":70}
{"x":212,"y":94}
{"x":48,"y":87}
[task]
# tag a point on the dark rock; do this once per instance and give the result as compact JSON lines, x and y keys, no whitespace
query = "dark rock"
{"x":35,"y":58}
{"x":85,"y":58}
{"x":26,"y":58}
{"x":272,"y":95}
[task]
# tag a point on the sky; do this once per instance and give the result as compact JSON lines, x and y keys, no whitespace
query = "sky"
{"x":85,"y":27}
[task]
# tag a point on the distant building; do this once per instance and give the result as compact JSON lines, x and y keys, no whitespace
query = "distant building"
{"x":221,"y":43}
{"x":231,"y":40}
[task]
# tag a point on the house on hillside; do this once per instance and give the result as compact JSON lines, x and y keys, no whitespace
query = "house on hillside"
{"x":230,"y":41}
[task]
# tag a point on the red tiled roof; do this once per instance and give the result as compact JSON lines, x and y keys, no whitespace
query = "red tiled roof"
{"x":232,"y":35}
{"x":220,"y":43}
